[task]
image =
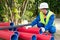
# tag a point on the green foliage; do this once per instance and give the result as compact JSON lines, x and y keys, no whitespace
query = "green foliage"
{"x":14,"y":10}
{"x":5,"y":19}
{"x":17,"y":8}
{"x":28,"y":15}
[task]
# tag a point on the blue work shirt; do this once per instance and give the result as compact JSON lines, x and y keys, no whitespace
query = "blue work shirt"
{"x":48,"y":26}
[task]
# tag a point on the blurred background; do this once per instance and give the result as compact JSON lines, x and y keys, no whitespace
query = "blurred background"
{"x":19,"y":10}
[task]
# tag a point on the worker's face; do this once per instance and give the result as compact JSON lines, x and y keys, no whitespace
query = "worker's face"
{"x":43,"y":10}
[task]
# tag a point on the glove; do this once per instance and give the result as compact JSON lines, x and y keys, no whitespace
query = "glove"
{"x":27,"y":27}
{"x":43,"y":29}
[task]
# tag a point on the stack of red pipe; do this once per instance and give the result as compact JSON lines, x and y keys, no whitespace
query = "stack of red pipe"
{"x":25,"y":34}
{"x":6,"y":34}
{"x":33,"y":30}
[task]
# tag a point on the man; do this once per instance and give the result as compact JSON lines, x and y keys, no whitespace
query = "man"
{"x":45,"y":19}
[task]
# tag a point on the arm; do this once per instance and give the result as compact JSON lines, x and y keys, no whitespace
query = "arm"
{"x":36,"y":20}
{"x":50,"y":22}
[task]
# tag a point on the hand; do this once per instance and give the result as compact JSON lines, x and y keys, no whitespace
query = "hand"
{"x":27,"y":27}
{"x":43,"y":29}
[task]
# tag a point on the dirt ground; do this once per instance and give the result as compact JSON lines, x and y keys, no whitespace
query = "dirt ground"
{"x":57,"y":35}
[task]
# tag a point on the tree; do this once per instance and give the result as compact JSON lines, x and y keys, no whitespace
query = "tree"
{"x":16,"y":10}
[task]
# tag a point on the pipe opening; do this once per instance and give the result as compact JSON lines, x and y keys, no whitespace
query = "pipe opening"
{"x":33,"y":37}
{"x":40,"y":31}
{"x":14,"y":37}
{"x":16,"y":33}
{"x":52,"y":38}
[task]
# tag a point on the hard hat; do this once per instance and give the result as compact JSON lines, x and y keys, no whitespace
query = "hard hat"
{"x":43,"y":5}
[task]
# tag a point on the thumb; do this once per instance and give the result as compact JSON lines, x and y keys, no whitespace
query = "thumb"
{"x":43,"y":29}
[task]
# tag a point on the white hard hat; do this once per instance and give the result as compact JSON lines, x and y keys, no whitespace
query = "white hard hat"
{"x":43,"y":5}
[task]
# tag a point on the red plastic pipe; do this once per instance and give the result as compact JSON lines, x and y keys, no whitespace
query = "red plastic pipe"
{"x":43,"y":37}
{"x":4,"y":23}
{"x":27,"y":36}
{"x":34,"y":30}
{"x":8,"y":35}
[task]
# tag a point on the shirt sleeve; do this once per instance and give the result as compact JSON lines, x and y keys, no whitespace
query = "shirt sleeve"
{"x":35,"y":21}
{"x":49,"y":25}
